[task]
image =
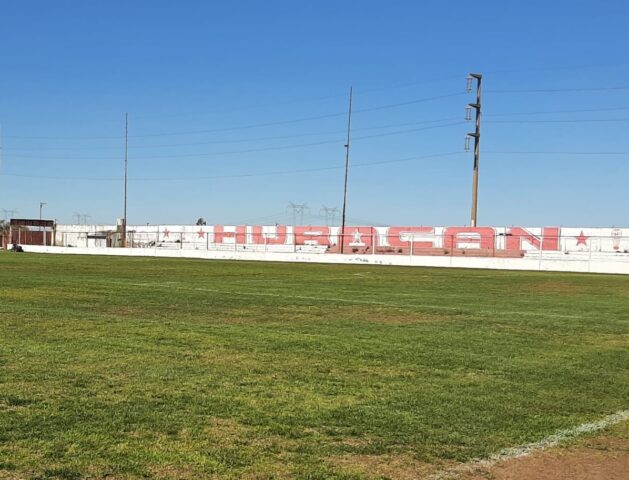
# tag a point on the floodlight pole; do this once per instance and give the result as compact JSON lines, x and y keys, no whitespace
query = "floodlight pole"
{"x":347,"y":145}
{"x":41,"y":206}
{"x":126,"y":162}
{"x":476,"y":106}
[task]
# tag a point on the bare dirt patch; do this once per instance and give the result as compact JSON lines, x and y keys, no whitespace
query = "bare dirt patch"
{"x":174,"y":472}
{"x":597,"y":458}
{"x":393,"y":466}
{"x":378,"y":314}
{"x":559,"y":287}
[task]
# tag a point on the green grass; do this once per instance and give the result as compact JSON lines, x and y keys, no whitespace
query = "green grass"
{"x":163,"y":368}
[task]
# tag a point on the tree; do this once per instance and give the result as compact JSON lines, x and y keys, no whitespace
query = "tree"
{"x":4,"y":231}
{"x":201,"y":221}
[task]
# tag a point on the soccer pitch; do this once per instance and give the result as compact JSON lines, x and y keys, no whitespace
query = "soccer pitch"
{"x":165,"y":368}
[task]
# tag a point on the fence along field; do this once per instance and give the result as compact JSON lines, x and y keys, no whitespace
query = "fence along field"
{"x":171,"y":368}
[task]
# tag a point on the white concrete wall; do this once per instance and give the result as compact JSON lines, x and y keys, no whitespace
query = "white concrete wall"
{"x":571,"y":239}
{"x":543,"y":261}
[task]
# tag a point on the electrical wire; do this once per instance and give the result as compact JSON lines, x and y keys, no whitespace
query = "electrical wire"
{"x":581,"y":120}
{"x":311,"y":170}
{"x":560,"y":90}
{"x":243,"y":140}
{"x":412,"y":102}
{"x":337,"y":132}
{"x":359,"y":93}
{"x":549,"y":112}
{"x":245,"y":127}
{"x":250,"y":150}
{"x":245,"y":175}
{"x":540,"y":152}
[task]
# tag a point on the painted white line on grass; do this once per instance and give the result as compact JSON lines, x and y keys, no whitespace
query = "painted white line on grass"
{"x":279,"y":295}
{"x":530,"y":448}
{"x":170,"y":285}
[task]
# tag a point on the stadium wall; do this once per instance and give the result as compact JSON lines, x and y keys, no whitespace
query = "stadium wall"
{"x":357,"y":239}
{"x":600,"y":250}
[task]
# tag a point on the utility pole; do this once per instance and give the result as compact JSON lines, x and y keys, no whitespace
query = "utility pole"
{"x":126,"y":162}
{"x":476,"y":135}
{"x":41,"y":206}
{"x":347,"y":145}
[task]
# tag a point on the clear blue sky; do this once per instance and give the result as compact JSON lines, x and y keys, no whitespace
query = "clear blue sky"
{"x":71,"y":69}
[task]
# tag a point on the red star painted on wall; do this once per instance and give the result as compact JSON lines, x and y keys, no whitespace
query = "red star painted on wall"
{"x":166,"y":233}
{"x":201,"y":233}
{"x":581,"y":239}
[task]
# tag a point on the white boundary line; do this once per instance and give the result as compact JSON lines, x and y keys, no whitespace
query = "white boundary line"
{"x":530,"y":448}
{"x":174,"y":285}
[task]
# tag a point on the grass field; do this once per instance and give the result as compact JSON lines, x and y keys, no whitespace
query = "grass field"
{"x":163,"y":368}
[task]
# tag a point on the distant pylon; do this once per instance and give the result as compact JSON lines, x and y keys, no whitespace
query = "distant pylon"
{"x":330,"y":214}
{"x":81,"y":218}
{"x":8,"y":214}
{"x":298,"y":209}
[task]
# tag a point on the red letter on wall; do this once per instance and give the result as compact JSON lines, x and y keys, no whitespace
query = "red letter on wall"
{"x":469,"y":237}
{"x":360,"y":237}
{"x":312,"y":235}
{"x":267,"y":238}
{"x":220,"y":234}
{"x":394,"y":237}
{"x":517,"y":235}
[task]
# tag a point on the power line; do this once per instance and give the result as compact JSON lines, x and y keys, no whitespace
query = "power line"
{"x":546,"y":112}
{"x":555,"y":68}
{"x":206,"y":154}
{"x":241,"y":140}
{"x":235,"y":176}
{"x":331,"y":115}
{"x":250,"y":150}
{"x":319,"y":117}
{"x":559,"y":90}
{"x":316,"y":169}
{"x":305,"y":100}
{"x":244,"y":127}
{"x":187,"y":144}
{"x":283,"y":137}
{"x":411,"y":102}
{"x":555,"y":152}
{"x":313,"y":170}
{"x":580,"y":120}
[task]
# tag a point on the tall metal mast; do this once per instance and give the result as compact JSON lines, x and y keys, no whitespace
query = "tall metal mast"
{"x":476,"y":135}
{"x":126,"y":163}
{"x":347,"y":145}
